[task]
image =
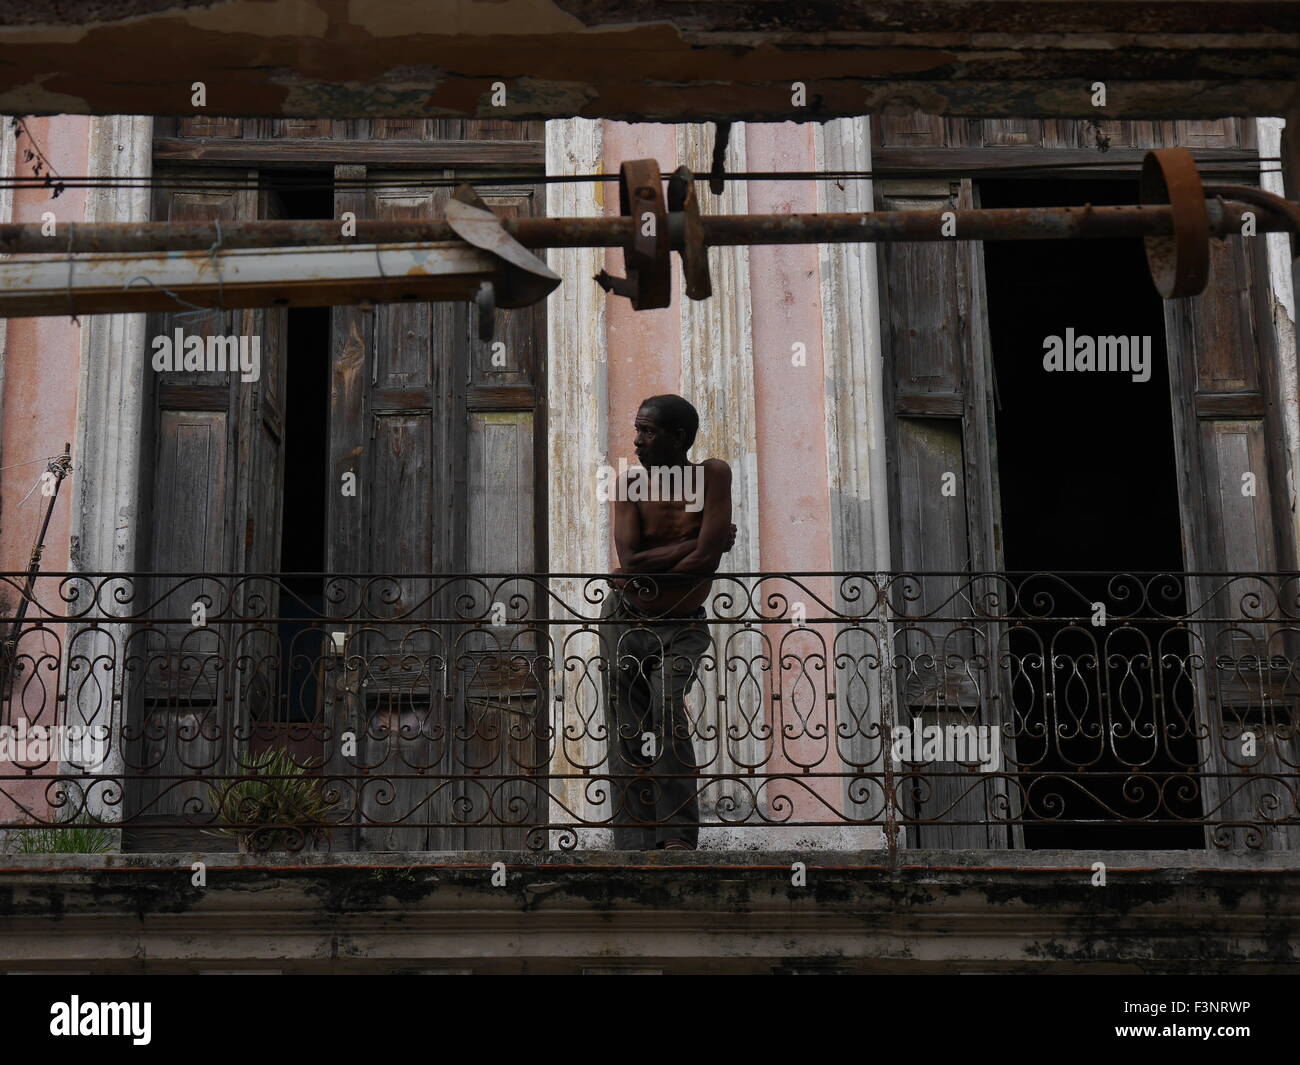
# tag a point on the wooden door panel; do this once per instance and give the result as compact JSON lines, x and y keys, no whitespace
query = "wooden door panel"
{"x":213,"y":496}
{"x":510,"y":360}
{"x":497,"y":667}
{"x":944,"y":506}
{"x":1234,"y":510}
{"x":447,"y":487}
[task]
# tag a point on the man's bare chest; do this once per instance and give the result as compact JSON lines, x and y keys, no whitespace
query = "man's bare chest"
{"x":667,"y":522}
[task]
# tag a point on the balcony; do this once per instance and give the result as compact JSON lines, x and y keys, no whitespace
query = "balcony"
{"x":860,"y":711}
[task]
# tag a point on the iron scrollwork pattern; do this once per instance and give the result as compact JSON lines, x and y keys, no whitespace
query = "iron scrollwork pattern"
{"x":465,"y":711}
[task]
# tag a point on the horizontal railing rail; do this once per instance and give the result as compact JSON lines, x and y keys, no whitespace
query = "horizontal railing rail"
{"x":422,"y":711}
{"x":766,"y":596}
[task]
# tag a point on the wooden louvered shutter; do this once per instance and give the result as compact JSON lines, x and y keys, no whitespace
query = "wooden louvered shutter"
{"x":213,"y":505}
{"x":443,"y":445}
{"x":1236,"y":520}
{"x":944,"y":506}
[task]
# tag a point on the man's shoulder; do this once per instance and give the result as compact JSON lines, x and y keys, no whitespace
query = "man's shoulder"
{"x":715,"y":466}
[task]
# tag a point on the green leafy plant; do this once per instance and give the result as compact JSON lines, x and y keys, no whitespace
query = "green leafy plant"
{"x":276,"y":805}
{"x":76,"y":837}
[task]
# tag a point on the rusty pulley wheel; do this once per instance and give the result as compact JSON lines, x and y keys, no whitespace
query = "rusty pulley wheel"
{"x":1179,"y":264}
{"x":649,"y":265}
{"x":649,"y":269}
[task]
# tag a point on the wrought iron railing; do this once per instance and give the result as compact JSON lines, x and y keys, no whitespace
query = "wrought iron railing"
{"x":466,"y":712}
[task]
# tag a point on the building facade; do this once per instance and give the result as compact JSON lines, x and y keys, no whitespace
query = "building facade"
{"x":946,"y":535}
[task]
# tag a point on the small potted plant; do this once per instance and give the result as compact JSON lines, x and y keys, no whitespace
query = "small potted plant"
{"x":277,"y":804}
{"x":71,"y":837}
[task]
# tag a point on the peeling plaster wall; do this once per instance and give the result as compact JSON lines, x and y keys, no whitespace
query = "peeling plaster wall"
{"x":76,"y":382}
{"x":8,"y":160}
{"x":38,"y":413}
{"x":732,"y":357}
{"x":991,"y":911}
{"x":717,"y":375}
{"x":1269,"y":139}
{"x":794,"y":494}
{"x":8,"y":156}
{"x":855,"y":438}
{"x":578,"y":441}
{"x":40,"y":382}
{"x":649,"y":60}
{"x":643,"y":347}
{"x":110,"y":413}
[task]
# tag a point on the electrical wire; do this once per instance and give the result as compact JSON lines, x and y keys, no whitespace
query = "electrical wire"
{"x":152,"y":181}
{"x":265,"y":182}
{"x":33,"y":488}
{"x":30,"y":462}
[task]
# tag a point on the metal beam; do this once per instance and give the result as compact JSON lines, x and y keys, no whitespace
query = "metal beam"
{"x":139,"y":266}
{"x":244,"y":277}
{"x":1010,"y":223}
{"x":656,"y":60}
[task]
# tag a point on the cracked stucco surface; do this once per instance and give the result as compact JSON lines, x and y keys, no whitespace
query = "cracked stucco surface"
{"x":649,"y":58}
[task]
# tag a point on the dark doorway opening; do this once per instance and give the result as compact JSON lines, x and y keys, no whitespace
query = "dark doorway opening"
{"x":1102,"y":715}
{"x":304,"y":195}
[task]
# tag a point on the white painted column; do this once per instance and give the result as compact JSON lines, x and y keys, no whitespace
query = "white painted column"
{"x":107,"y":452}
{"x":855,"y":438}
{"x":1268,"y":134}
{"x":8,"y":157}
{"x":578,"y":523}
{"x":717,"y":368}
{"x":717,"y":373}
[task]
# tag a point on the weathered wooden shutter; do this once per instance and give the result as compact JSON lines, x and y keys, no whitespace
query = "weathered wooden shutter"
{"x":214,"y":506}
{"x":442,"y":443}
{"x":397,"y":425}
{"x":1236,"y":520}
{"x":944,"y":507}
{"x":501,"y":674}
{"x":259,"y":658}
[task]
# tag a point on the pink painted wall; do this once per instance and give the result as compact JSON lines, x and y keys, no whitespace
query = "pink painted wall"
{"x":789,"y":400}
{"x":643,"y":347}
{"x":793,"y":482}
{"x":41,"y":364}
{"x":39,"y":415}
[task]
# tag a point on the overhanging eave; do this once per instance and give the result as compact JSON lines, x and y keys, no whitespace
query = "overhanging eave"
{"x":653,"y":59}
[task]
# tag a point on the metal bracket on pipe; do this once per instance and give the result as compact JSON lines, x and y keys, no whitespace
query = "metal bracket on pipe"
{"x":1284,"y":209}
{"x":649,"y":270}
{"x":695,"y":255}
{"x":1179,"y":264}
{"x":659,"y":224}
{"x":525,"y":278}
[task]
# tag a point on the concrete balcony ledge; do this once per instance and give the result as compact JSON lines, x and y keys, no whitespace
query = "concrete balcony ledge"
{"x":676,"y":912}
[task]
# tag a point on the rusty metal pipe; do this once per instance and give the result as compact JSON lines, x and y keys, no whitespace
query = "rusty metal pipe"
{"x":1259,"y":198}
{"x":131,"y":237}
{"x":1015,"y":223}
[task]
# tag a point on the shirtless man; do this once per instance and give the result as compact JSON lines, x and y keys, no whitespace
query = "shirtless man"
{"x":655,"y":634}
